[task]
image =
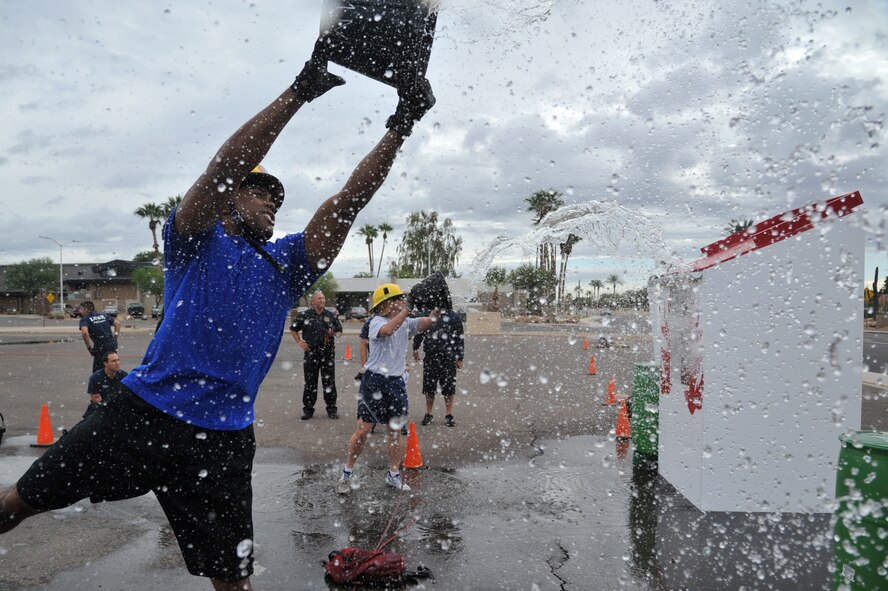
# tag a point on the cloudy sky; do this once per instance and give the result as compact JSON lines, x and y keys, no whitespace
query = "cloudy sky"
{"x":690,"y":113}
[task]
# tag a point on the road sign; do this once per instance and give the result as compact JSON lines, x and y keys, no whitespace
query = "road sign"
{"x":50,"y":298}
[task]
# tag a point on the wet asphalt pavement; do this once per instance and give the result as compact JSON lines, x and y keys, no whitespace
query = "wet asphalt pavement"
{"x":529,"y":491}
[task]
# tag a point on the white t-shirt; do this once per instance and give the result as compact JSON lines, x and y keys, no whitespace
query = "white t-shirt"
{"x":388,"y":355}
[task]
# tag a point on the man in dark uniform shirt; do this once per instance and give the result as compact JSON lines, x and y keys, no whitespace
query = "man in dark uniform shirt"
{"x":103,"y":382}
{"x":317,"y":326}
{"x":99,"y":332}
{"x":444,"y":349}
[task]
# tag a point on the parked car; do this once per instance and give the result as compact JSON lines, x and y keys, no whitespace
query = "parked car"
{"x":110,"y":311}
{"x":333,"y":310}
{"x":57,"y":311}
{"x":135,"y":310}
{"x":605,"y":312}
{"x":299,"y":311}
{"x":77,"y":312}
{"x":356,"y":312}
{"x":156,"y":311}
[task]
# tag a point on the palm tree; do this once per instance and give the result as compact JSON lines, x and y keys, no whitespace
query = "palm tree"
{"x":738,"y":226}
{"x":614,"y":280}
{"x":596,"y":285}
{"x":542,"y":203}
{"x":566,"y":248}
{"x":154,"y":214}
{"x":369,"y":233}
{"x":385,"y":228}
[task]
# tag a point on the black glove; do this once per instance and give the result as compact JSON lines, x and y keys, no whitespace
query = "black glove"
{"x":359,"y":377}
{"x":412,"y":106}
{"x":314,"y":80}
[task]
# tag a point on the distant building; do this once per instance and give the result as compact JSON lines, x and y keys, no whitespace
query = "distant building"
{"x":106,"y":284}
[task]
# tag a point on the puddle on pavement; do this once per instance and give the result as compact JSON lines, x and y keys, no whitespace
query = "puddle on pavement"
{"x":577,"y":516}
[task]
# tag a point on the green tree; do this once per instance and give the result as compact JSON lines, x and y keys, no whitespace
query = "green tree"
{"x":540,"y":204}
{"x":537,"y":282}
{"x":566,"y":249}
{"x":736,"y":226}
{"x":369,"y":233}
{"x":494,"y":277}
{"x":156,"y":214}
{"x":428,"y":245}
{"x":385,"y":228}
{"x":614,"y":280}
{"x":33,"y":276}
{"x":327,"y":284}
{"x":145,"y":256}
{"x":596,"y":285}
{"x":149,"y":280}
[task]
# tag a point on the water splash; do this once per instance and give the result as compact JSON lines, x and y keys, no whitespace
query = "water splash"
{"x":606,"y":226}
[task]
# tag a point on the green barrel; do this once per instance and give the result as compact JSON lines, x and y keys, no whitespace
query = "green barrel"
{"x":645,"y":421}
{"x":861,"y":534}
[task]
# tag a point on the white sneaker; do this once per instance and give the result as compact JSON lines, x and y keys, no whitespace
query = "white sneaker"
{"x":344,"y":486}
{"x":396,"y":481}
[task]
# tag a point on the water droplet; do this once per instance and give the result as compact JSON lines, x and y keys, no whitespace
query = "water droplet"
{"x":202,"y":474}
{"x":244,"y":548}
{"x":485,"y":376}
{"x":287,"y":365}
{"x":388,"y":74}
{"x":221,"y":187}
{"x":200,"y":435}
{"x":395,"y":423}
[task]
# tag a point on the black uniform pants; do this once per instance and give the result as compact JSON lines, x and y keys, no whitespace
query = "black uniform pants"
{"x":322,"y":362}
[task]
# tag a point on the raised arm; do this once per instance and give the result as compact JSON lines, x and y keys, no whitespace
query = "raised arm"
{"x":205,"y":201}
{"x":328,"y":228}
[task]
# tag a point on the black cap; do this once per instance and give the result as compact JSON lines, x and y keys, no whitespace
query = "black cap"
{"x":266,"y":181}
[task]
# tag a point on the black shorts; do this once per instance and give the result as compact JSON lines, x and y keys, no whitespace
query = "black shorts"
{"x":383,"y":398}
{"x":126,"y":448}
{"x":438,"y":370}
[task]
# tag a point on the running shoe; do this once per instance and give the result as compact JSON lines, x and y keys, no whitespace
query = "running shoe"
{"x":427,"y":420}
{"x":396,"y":481}
{"x":448,"y":420}
{"x":344,"y":486}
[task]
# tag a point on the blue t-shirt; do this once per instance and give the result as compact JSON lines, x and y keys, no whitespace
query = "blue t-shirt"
{"x":224,"y":313}
{"x":100,"y":329}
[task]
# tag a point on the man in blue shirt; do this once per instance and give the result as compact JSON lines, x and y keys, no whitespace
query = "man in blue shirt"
{"x":182,"y":428}
{"x":99,"y":333}
{"x":104,"y":382}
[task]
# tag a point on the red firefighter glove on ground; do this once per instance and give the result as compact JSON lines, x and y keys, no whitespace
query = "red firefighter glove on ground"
{"x":351,"y":564}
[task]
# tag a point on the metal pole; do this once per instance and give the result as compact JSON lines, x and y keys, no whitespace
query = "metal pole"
{"x":61,"y":271}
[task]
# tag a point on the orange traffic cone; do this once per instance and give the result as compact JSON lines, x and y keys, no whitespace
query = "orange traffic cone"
{"x":412,"y":456}
{"x":585,"y":344}
{"x":611,"y":397}
{"x":44,"y":429}
{"x":623,"y":431}
{"x":592,"y":369}
{"x":348,"y":352}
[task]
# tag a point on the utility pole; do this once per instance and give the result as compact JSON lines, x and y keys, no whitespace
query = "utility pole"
{"x":61,"y":270}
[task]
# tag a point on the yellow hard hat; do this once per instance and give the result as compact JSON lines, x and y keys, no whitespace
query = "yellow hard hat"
{"x":384,"y":292}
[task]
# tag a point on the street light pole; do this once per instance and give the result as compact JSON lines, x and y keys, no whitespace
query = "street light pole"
{"x":61,"y":270}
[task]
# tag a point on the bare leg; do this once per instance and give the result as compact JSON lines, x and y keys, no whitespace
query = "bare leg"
{"x":356,"y":443}
{"x":13,"y":510}
{"x":394,"y":450}
{"x":448,"y":403}
{"x":430,"y":403}
{"x":242,"y":585}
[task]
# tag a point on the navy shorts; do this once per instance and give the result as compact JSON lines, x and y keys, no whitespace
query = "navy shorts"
{"x":438,"y":370}
{"x":383,"y":398}
{"x":126,"y":448}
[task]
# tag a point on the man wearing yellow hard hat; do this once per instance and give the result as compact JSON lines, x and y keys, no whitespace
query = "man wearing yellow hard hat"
{"x":182,"y":426}
{"x":383,"y":387}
